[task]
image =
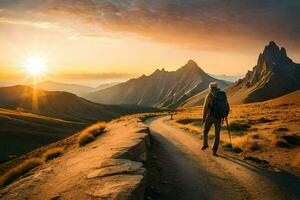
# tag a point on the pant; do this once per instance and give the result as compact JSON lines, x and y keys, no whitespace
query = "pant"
{"x":210,"y":120}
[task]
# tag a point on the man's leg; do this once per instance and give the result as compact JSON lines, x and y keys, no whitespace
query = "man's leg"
{"x":207,"y":125}
{"x":217,"y":123}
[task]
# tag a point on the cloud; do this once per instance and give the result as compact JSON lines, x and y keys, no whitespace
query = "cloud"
{"x":203,"y":24}
{"x":35,"y":24}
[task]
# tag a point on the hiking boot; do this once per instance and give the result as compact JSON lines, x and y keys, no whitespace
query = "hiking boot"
{"x":204,"y":147}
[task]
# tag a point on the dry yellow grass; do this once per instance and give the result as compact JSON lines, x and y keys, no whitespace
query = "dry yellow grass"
{"x":85,"y":138}
{"x":259,"y":129}
{"x":90,"y":133}
{"x":279,"y":142}
{"x":53,"y":153}
{"x":96,"y":129}
{"x":20,"y":170}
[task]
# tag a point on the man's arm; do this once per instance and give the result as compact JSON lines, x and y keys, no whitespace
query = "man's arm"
{"x":205,"y":107}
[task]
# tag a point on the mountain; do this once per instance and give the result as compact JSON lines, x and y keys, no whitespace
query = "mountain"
{"x":274,"y":75}
{"x":56,"y":104}
{"x":161,"y":89}
{"x":28,"y":131}
{"x":79,"y":90}
{"x":228,"y":78}
{"x":105,"y":85}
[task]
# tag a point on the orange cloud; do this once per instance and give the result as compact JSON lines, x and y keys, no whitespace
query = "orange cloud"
{"x":215,"y":25}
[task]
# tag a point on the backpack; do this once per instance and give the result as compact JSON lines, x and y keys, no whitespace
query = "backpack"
{"x":220,"y":106}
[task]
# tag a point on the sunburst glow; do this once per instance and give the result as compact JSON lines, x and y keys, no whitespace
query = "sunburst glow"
{"x":35,"y":66}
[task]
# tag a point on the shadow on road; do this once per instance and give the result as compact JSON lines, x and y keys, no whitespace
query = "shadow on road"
{"x":284,"y":180}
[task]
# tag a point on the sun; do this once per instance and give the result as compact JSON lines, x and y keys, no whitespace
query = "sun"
{"x":35,"y":66}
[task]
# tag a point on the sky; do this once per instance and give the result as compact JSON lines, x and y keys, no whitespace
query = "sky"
{"x":119,"y":39}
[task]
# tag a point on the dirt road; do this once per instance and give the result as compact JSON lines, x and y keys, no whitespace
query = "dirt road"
{"x":179,"y":169}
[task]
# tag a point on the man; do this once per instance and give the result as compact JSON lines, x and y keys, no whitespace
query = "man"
{"x":214,"y":110}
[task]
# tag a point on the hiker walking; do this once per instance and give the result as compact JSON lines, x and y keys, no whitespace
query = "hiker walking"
{"x":216,"y":108}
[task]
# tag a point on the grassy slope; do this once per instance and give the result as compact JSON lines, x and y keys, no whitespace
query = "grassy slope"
{"x":258,"y":127}
{"x":21,"y":132}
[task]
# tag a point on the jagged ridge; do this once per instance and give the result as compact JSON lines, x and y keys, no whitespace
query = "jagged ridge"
{"x":160,"y":89}
{"x":274,"y":75}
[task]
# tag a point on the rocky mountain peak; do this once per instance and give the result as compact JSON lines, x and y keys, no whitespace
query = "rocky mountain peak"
{"x":192,"y":63}
{"x":191,"y":67}
{"x":272,"y":54}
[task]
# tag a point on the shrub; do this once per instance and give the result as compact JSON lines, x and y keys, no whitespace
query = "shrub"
{"x":261,"y":121}
{"x":237,"y":149}
{"x":281,"y":143}
{"x":97,"y":129}
{"x":292,"y":139}
{"x":188,"y":121}
{"x":255,"y":136}
{"x":234,"y":147}
{"x":254,"y":146}
{"x":239,"y":126}
{"x":53,"y":153}
{"x":281,"y":130}
{"x":85,"y":138}
{"x":19,"y":170}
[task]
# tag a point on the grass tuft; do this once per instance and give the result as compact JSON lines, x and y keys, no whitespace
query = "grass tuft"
{"x":89,"y":134}
{"x":239,"y":126}
{"x":84,"y":138}
{"x":97,"y":129}
{"x":19,"y":170}
{"x":188,"y":121}
{"x":279,"y":142}
{"x":253,"y":146}
{"x":255,"y":136}
{"x":53,"y":153}
{"x":292,"y":139}
{"x":281,"y":130}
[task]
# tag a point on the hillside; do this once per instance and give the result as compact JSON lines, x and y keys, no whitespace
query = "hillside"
{"x":56,"y":104}
{"x":274,"y":75}
{"x":28,"y":131}
{"x":79,"y":90}
{"x":161,"y":89}
{"x":292,"y":98}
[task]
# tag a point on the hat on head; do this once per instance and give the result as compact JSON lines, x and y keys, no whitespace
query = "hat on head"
{"x":213,"y":85}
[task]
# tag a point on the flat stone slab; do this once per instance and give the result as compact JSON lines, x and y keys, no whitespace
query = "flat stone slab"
{"x":118,"y":167}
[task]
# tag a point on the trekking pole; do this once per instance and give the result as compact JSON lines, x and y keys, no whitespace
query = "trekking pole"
{"x":228,"y":130}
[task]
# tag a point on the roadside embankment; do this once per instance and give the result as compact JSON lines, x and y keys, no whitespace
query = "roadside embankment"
{"x":110,"y":167}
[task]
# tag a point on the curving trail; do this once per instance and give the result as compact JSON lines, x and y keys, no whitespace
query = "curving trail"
{"x":179,"y":169}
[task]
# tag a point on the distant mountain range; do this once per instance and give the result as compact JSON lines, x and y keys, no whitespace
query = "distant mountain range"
{"x":79,"y":90}
{"x":161,"y":89}
{"x":62,"y":105}
{"x":56,"y":104}
{"x":274,"y":75}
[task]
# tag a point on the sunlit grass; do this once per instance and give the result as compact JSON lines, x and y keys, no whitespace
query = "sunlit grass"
{"x":19,"y":170}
